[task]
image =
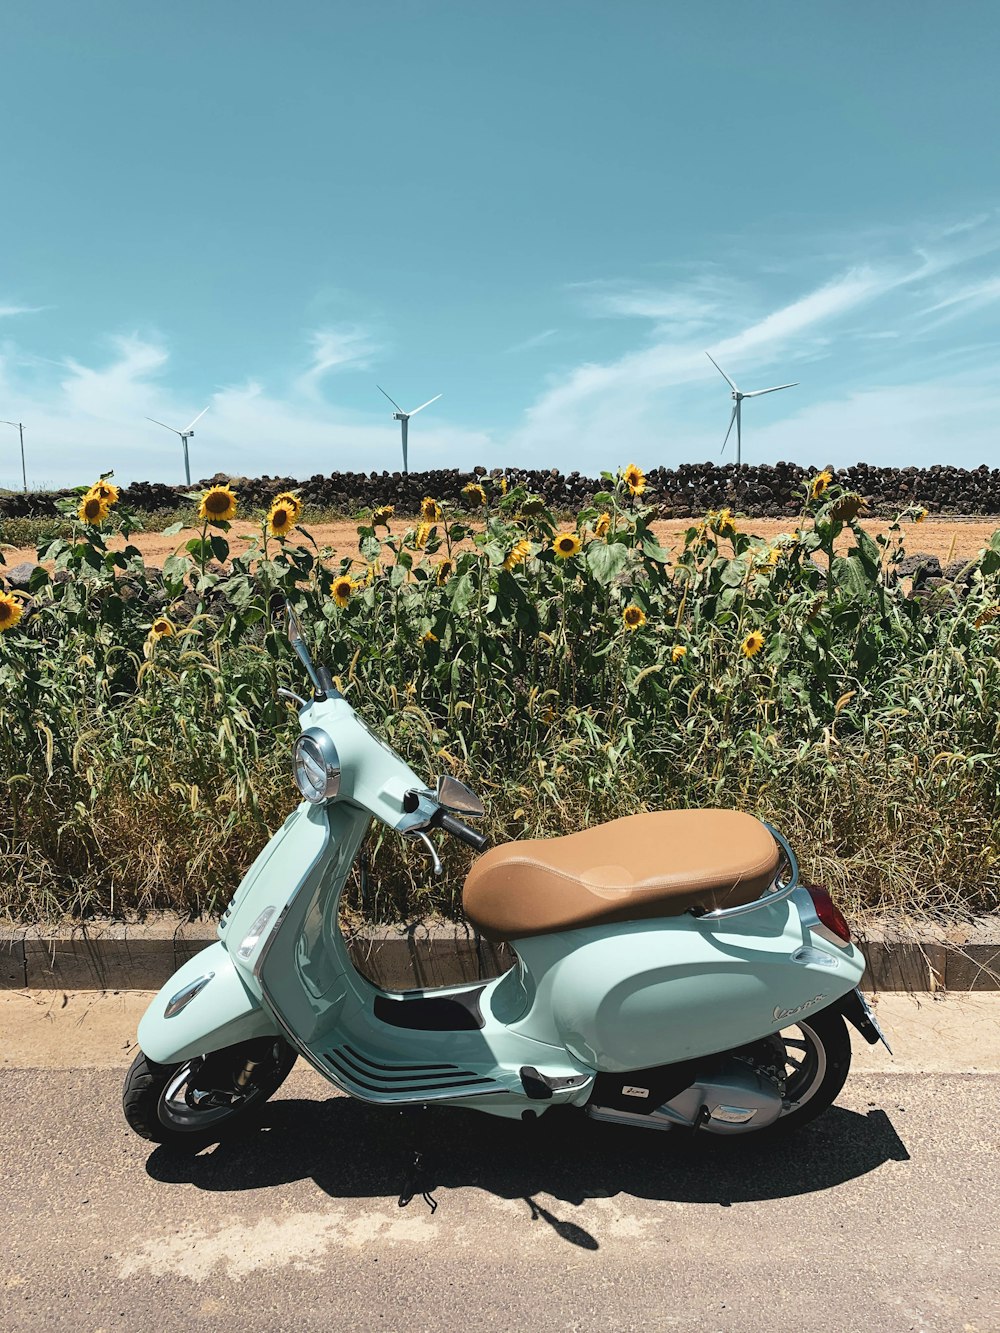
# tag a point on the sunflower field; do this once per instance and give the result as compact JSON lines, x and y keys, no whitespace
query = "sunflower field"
{"x":570,"y":671}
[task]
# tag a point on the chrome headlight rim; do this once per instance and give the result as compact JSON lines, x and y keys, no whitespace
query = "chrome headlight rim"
{"x":316,"y":766}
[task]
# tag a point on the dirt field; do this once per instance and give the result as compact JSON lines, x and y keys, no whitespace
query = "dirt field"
{"x":947,"y":538}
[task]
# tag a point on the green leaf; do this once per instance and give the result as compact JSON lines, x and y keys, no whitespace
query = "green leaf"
{"x":850,"y":576}
{"x":606,"y":560}
{"x":460,"y":594}
{"x":734,"y":573}
{"x":173,"y":530}
{"x":652,"y":548}
{"x":175,"y":569}
{"x":220,"y":548}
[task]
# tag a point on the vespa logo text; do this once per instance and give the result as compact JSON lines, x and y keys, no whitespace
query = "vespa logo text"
{"x":799,"y":1008}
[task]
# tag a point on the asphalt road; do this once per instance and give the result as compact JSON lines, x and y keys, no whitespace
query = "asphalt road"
{"x":883,"y":1215}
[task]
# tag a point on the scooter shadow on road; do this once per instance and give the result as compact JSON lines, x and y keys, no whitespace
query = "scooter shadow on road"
{"x":353,"y":1151}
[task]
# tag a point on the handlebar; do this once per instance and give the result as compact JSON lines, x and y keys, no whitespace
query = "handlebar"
{"x":461,"y":831}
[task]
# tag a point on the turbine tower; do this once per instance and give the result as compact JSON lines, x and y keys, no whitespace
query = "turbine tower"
{"x":19,"y":427}
{"x":185,"y":435}
{"x":404,"y":418}
{"x":738,"y":395}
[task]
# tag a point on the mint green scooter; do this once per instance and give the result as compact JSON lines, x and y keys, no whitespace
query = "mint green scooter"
{"x":671,"y":971}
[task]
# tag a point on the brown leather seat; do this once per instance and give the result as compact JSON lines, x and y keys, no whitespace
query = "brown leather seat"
{"x":642,"y":866}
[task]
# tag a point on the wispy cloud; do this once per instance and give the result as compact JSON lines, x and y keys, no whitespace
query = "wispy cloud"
{"x":8,"y":310}
{"x":976,"y":294}
{"x":535,"y":340}
{"x":690,"y":304}
{"x":336,"y":348}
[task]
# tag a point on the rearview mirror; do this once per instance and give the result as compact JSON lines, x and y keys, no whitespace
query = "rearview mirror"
{"x":458,"y":798}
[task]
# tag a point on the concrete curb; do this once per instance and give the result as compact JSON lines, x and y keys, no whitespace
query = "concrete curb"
{"x":142,"y":957}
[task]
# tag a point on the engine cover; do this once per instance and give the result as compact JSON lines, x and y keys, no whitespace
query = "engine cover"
{"x":737,"y":1097}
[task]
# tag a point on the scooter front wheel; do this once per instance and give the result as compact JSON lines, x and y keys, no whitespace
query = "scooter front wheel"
{"x":199,"y":1101}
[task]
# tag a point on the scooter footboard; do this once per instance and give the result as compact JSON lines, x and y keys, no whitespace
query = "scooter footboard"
{"x":203,"y":1007}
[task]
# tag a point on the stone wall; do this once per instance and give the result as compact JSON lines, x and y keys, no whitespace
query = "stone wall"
{"x":684,"y":491}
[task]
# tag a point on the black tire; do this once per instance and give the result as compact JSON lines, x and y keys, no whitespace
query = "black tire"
{"x":815,"y":1080}
{"x":158,"y":1099}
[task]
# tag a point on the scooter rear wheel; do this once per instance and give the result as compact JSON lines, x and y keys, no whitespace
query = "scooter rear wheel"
{"x":199,"y":1101}
{"x":814,"y":1056}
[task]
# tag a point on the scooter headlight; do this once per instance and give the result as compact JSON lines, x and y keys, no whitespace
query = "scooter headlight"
{"x":316,"y":766}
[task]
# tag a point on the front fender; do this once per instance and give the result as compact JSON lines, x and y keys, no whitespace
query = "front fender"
{"x":222,"y":1012}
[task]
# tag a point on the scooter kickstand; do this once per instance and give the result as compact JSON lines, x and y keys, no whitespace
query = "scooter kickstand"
{"x":702,"y":1118}
{"x":416,"y":1173}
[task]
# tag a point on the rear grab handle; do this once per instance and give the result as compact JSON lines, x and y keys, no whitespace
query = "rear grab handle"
{"x":775,"y":893}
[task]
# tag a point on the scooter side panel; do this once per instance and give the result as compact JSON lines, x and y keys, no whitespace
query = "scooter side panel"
{"x":646,"y":993}
{"x":228,"y":1009}
{"x":222,"y":1013}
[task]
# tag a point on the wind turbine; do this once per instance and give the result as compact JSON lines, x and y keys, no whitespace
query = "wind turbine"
{"x":404,"y":418}
{"x":185,"y":435}
{"x":738,"y":396}
{"x":19,"y":426}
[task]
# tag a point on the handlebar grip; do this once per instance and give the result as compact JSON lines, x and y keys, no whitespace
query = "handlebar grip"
{"x":462,"y":832}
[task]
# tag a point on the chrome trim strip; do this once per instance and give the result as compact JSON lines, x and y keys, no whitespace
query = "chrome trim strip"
{"x":184,"y":997}
{"x":272,"y":935}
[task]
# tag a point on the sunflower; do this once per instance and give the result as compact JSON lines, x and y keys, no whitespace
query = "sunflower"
{"x":602,"y":526}
{"x":422,"y":533}
{"x":444,"y":571}
{"x":847,"y":508}
{"x":766,"y":557}
{"x":566,"y":544}
{"x":533,"y":506}
{"x":429,"y":637}
{"x":10,"y":611}
{"x":105,"y":491}
{"x":382,"y":515}
{"x":430,"y":510}
{"x":920,"y":515}
{"x":500,"y":483}
{"x":723,"y":521}
{"x":635,"y":479}
{"x":281,"y":519}
{"x":633,"y":616}
{"x":93,"y":510}
{"x":290,"y":502}
{"x":677,"y":652}
{"x":752,"y":644}
{"x":819,"y":484}
{"x":161,"y":628}
{"x":474,"y":494}
{"x":218,"y":505}
{"x":519,"y":552}
{"x":341,"y":590}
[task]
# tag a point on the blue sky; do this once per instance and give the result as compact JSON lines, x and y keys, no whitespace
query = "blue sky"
{"x":544,"y":211}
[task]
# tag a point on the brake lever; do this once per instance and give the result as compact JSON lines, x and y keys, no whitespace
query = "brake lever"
{"x":437,"y":868}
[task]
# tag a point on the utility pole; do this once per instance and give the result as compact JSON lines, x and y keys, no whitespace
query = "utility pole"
{"x":19,"y":427}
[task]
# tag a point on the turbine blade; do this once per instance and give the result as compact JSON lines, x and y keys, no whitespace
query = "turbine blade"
{"x":164,"y":425}
{"x":423,"y":405}
{"x":391,"y":400}
{"x":197,"y":418}
{"x":722,"y":372}
{"x":728,"y":433}
{"x":756,"y":393}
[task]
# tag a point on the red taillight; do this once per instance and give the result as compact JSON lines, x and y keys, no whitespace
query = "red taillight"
{"x":829,"y":913}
